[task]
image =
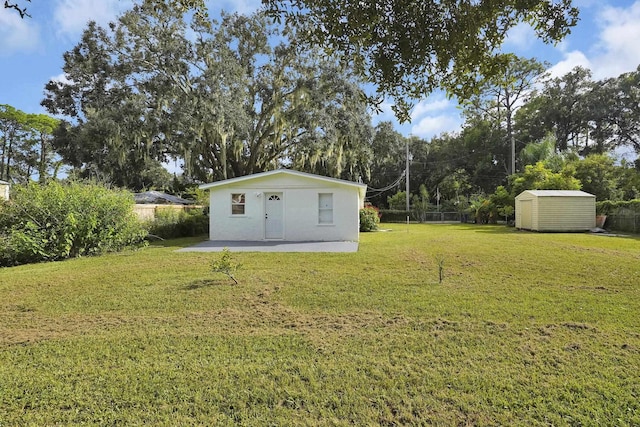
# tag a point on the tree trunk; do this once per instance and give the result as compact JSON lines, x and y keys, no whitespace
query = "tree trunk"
{"x":42,"y":166}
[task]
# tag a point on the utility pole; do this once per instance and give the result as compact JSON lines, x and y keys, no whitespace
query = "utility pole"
{"x":513,"y":154}
{"x":407,"y":178}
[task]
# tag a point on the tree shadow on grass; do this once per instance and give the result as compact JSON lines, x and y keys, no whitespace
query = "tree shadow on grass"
{"x":205,"y":283}
{"x":490,"y":228}
{"x":621,"y":235}
{"x":504,"y":229}
{"x":182,"y":242}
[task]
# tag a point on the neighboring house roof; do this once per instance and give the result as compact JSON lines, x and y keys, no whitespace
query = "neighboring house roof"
{"x":4,"y":182}
{"x":362,"y":188}
{"x":558,"y":193}
{"x":159,"y":198}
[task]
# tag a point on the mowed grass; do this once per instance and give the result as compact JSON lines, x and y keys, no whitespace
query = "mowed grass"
{"x":525,"y":329}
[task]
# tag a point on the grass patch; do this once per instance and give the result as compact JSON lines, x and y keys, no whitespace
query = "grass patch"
{"x":525,"y":329}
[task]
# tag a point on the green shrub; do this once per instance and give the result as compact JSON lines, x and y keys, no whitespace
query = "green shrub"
{"x":609,"y":207}
{"x":398,"y":201}
{"x":172,"y":223}
{"x":57,"y":221}
{"x":369,"y":219}
{"x":420,"y":205}
{"x":504,"y":203}
{"x":394,"y":215}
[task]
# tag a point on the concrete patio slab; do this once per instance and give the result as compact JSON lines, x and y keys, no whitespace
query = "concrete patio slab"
{"x":271,"y":246}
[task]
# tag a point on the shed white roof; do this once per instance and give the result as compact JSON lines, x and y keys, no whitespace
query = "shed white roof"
{"x":558,"y":193}
{"x":362,"y":188}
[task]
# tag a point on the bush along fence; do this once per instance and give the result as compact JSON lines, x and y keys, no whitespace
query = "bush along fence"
{"x":171,"y":222}
{"x":392,"y":215}
{"x":149,"y":212}
{"x":621,"y":215}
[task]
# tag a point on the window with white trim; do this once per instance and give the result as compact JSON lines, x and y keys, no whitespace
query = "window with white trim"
{"x":325,"y":208}
{"x":237,"y":203}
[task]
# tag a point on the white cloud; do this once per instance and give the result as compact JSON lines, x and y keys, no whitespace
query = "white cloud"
{"x":429,"y":117}
{"x":428,"y":106}
{"x":71,"y":16}
{"x":431,"y":126}
{"x":17,"y":34}
{"x":386,"y":113}
{"x":581,"y":4}
{"x":433,"y":116}
{"x":244,"y":7}
{"x":619,"y":46}
{"x":571,"y":60}
{"x":521,"y":37}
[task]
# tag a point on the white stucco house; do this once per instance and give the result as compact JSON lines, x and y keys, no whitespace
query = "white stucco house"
{"x":285,"y":205}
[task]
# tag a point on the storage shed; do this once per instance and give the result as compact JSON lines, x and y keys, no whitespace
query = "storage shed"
{"x":555,"y":210}
{"x":285,"y":205}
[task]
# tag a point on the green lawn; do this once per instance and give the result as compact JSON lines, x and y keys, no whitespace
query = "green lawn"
{"x":525,"y":329}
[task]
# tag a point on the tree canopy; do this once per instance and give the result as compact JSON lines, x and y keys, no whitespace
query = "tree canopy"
{"x":25,"y":145}
{"x":584,"y":115}
{"x":243,"y":94}
{"x":229,"y":98}
{"x":409,"y":48}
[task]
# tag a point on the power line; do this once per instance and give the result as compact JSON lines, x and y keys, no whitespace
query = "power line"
{"x":388,"y":187}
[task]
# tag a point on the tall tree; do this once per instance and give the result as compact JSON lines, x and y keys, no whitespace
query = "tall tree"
{"x":109,"y":137}
{"x":387,"y":163}
{"x":500,"y":96}
{"x":42,"y":127}
{"x":484,"y":154}
{"x":586,"y":116}
{"x":561,"y":107}
{"x":12,"y":130}
{"x":626,"y":117}
{"x":25,"y":144}
{"x":226,"y":100}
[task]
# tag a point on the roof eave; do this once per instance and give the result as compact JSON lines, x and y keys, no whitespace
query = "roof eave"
{"x":362,"y":187}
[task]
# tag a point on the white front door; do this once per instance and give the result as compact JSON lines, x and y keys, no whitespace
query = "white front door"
{"x":273,"y":226}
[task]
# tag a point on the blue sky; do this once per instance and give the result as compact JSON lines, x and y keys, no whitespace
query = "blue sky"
{"x":606,"y":40}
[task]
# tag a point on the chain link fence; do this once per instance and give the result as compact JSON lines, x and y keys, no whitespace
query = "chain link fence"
{"x":391,"y":215}
{"x":629,"y":223}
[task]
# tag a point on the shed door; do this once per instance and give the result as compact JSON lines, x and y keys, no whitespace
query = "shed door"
{"x":273,"y":210}
{"x":525,"y":214}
